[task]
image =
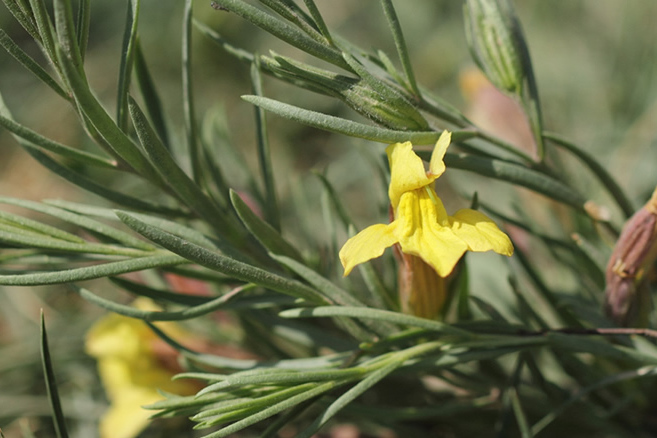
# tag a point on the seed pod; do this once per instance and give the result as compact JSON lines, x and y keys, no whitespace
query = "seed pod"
{"x":627,"y":298}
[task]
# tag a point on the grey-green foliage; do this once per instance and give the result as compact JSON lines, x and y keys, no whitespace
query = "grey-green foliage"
{"x":196,"y":224}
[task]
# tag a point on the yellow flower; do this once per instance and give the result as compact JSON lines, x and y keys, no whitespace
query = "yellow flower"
{"x":133,"y":364}
{"x":421,"y":225}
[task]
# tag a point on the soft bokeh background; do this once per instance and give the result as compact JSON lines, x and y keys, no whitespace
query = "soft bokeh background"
{"x":595,"y":62}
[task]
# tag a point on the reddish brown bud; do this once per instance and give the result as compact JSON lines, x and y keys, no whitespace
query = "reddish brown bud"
{"x":635,"y":252}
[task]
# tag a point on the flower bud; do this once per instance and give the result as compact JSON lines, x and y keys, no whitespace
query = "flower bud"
{"x":498,"y":47}
{"x":381,"y":103}
{"x":627,"y":293}
{"x":494,"y":39}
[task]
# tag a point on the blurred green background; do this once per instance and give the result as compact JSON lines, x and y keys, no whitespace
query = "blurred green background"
{"x":595,"y":62}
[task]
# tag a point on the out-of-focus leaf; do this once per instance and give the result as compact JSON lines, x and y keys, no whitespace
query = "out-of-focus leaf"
{"x":10,"y":46}
{"x":177,"y":180}
{"x":125,"y":67}
{"x":51,"y":384}
{"x":107,"y":269}
{"x":261,"y":230}
{"x":66,"y":33}
{"x":516,"y":174}
{"x":402,"y":50}
{"x":221,"y":263}
{"x":285,"y":32}
{"x":264,"y":155}
{"x":130,"y":311}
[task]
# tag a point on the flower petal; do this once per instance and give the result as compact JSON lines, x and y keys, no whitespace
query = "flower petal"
{"x":366,"y":245}
{"x":406,"y":171}
{"x":480,"y":232}
{"x":436,"y":245}
{"x":436,"y":165}
{"x":421,"y":231}
{"x":126,"y":418}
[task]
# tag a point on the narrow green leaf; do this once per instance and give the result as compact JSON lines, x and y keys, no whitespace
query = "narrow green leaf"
{"x":200,"y":273}
{"x":330,"y":291}
{"x":285,"y":32}
{"x":187,"y":233}
{"x":328,"y":361}
{"x":177,"y":180}
{"x":26,"y":61}
{"x":18,"y":236}
{"x":65,"y":29}
{"x":121,"y":146}
{"x":46,"y":29}
{"x":152,"y":101}
{"x":22,"y":12}
{"x":335,"y":200}
{"x":336,"y":295}
{"x":516,"y":174}
{"x":221,"y":263}
{"x":275,"y":409}
{"x":402,"y":50}
{"x":51,"y":384}
{"x":91,"y":272}
{"x":319,"y":20}
{"x":375,"y":314}
{"x":240,"y":408}
{"x":293,"y":13}
{"x":96,"y":227}
{"x":92,"y":186}
{"x":184,"y":298}
{"x":125,"y":66}
{"x":188,"y":93}
{"x":275,"y":425}
{"x":176,"y":228}
{"x":349,"y":396}
{"x":238,"y":53}
{"x":605,"y":178}
{"x":264,"y":154}
{"x":389,"y":67}
{"x":261,"y":230}
{"x":280,"y":376}
{"x":211,"y":160}
{"x":521,"y":418}
{"x":36,"y":226}
{"x":564,"y":312}
{"x":37,"y":141}
{"x":188,"y":313}
{"x":84,"y":19}
{"x":348,"y":127}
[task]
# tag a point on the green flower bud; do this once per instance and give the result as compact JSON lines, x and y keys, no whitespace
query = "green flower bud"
{"x":496,"y":42}
{"x":498,"y":46}
{"x":382,"y":103}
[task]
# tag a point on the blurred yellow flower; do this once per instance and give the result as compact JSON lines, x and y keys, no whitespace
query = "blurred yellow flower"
{"x":133,"y":364}
{"x":421,"y":225}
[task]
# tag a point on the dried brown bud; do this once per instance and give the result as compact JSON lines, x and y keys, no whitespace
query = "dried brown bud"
{"x":627,"y":293}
